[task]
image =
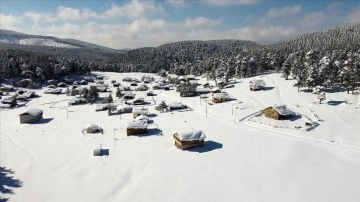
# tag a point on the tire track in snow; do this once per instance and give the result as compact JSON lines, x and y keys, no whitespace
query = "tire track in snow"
{"x":20,"y":146}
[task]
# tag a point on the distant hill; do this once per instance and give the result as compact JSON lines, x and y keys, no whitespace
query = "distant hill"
{"x":12,"y":37}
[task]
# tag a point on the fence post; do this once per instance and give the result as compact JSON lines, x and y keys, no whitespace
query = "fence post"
{"x":206,"y":110}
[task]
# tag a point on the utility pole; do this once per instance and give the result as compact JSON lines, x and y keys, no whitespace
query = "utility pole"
{"x":232,"y":109}
{"x":206,"y":110}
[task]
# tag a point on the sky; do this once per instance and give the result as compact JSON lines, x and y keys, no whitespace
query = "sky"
{"x":123,"y":24}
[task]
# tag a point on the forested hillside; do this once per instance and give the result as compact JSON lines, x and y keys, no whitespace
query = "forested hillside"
{"x":320,"y":58}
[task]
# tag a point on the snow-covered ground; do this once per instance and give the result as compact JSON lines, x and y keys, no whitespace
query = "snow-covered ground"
{"x":242,"y":160}
{"x":38,"y":42}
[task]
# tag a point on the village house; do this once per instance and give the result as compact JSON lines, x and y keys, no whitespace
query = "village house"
{"x":8,"y":101}
{"x":32,"y":115}
{"x":6,"y":88}
{"x":137,"y":111}
{"x":137,"y":127}
{"x":257,"y":84}
{"x":280,"y":112}
{"x":220,"y":97}
{"x":188,"y":140}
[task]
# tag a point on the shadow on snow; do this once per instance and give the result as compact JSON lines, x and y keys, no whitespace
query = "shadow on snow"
{"x":208,"y":146}
{"x":8,"y":182}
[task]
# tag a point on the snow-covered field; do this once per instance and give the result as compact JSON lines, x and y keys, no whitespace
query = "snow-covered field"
{"x":245,"y":157}
{"x":38,"y":42}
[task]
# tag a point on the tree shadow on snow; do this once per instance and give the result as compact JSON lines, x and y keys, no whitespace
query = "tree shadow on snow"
{"x":8,"y":182}
{"x":208,"y":146}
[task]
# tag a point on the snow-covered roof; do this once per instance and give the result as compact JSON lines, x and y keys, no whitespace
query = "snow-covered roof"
{"x":202,"y":90}
{"x":33,"y":111}
{"x":282,"y":110}
{"x":130,"y":94}
{"x":7,"y":99}
{"x":191,"y":135}
{"x":140,"y":110}
{"x":137,"y":124}
{"x":142,"y":117}
{"x":91,"y":126}
{"x":123,"y":106}
{"x":258,"y":82}
{"x":221,"y":95}
{"x":176,"y":104}
{"x":137,"y":99}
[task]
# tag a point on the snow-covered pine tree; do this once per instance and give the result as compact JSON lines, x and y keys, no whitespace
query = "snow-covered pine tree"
{"x":286,"y":67}
{"x":313,"y":70}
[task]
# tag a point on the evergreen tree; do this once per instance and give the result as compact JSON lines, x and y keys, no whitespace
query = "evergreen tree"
{"x":93,"y":94}
{"x":118,"y":92}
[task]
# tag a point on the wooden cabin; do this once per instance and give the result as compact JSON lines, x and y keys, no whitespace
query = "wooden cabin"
{"x":10,"y":101}
{"x":137,"y":111}
{"x":6,"y":88}
{"x":220,"y":97}
{"x":92,"y":128}
{"x":280,"y":112}
{"x":30,"y":116}
{"x":137,"y":127}
{"x":257,"y":84}
{"x":188,"y":140}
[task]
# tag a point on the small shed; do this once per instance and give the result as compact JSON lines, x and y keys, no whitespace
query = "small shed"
{"x":9,"y":100}
{"x":142,"y":117}
{"x":280,"y":112}
{"x":6,"y":88}
{"x":52,"y":82}
{"x":188,"y":140}
{"x":257,"y":84}
{"x":137,"y":127}
{"x":137,"y":111}
{"x":30,"y":116}
{"x":129,"y":96}
{"x":177,"y":105}
{"x":202,"y":90}
{"x":77,"y":101}
{"x":25,"y":82}
{"x":92,"y":128}
{"x":138,"y":101}
{"x":220,"y":97}
{"x":124,"y":108}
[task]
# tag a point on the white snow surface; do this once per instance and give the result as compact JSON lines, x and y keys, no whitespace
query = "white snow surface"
{"x":241,"y":160}
{"x":39,"y":42}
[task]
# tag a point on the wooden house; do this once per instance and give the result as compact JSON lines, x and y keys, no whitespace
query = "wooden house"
{"x":77,"y":101}
{"x":138,"y":101}
{"x":6,"y":88}
{"x":9,"y":101}
{"x":52,"y":82}
{"x":220,"y":97}
{"x":30,"y":116}
{"x":92,"y":128}
{"x":257,"y":84}
{"x":25,"y":83}
{"x":137,"y":111}
{"x":137,"y":127}
{"x":280,"y":112}
{"x":188,"y":140}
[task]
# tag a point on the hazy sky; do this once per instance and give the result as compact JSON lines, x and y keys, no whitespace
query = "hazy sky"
{"x":139,"y":23}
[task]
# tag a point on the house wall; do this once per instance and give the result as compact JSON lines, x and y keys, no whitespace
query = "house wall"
{"x":27,"y":118}
{"x":183,"y":145}
{"x":272,"y":113}
{"x":136,"y":131}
